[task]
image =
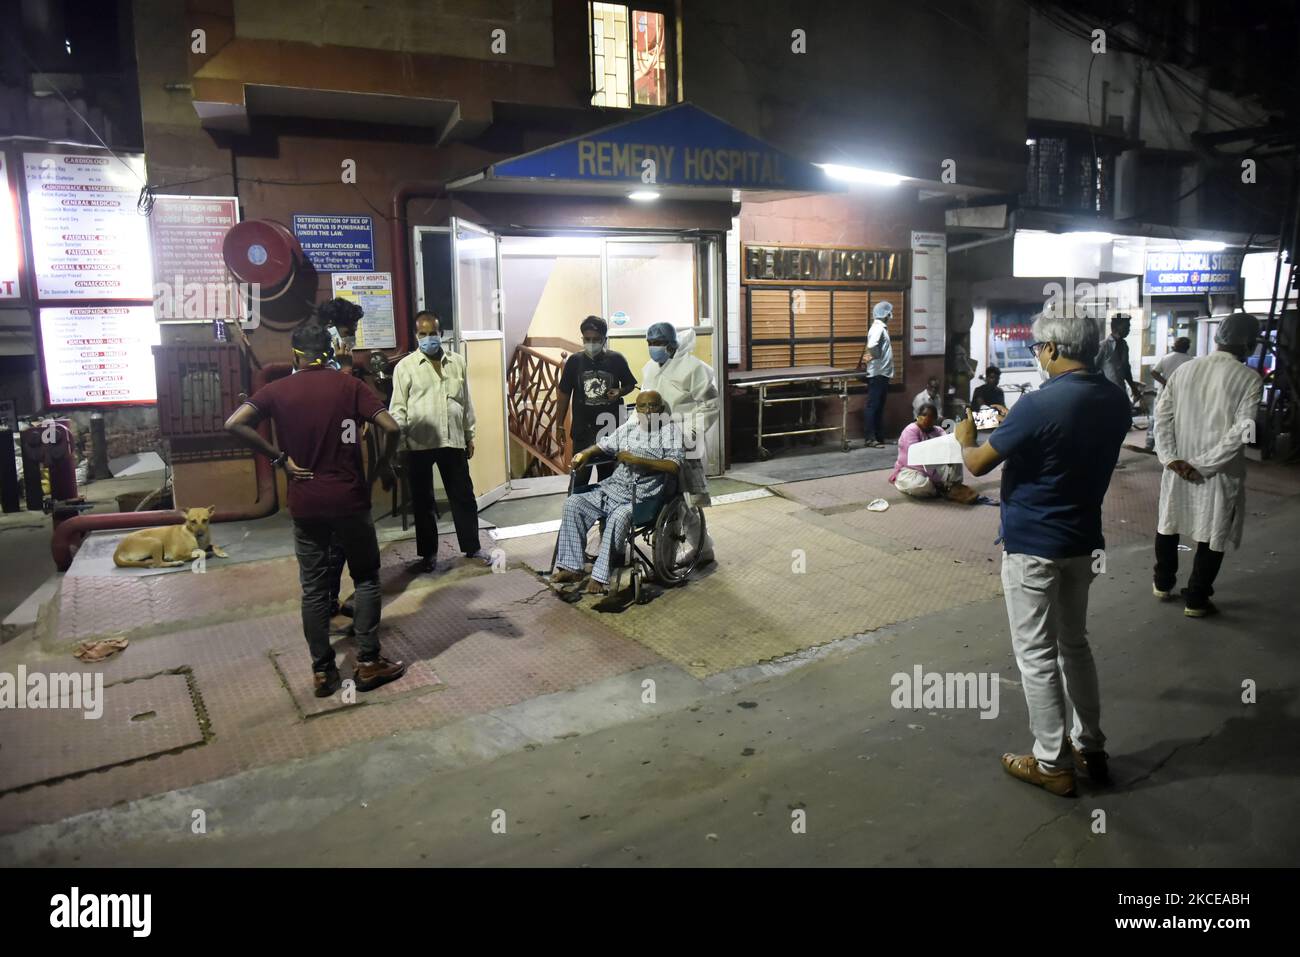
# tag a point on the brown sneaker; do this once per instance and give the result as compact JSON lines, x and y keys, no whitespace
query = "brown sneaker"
{"x":1092,"y":763}
{"x":1026,"y":768}
{"x":327,"y":682}
{"x":369,"y":675}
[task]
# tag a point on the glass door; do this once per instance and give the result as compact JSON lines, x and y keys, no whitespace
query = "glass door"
{"x":477,"y":306}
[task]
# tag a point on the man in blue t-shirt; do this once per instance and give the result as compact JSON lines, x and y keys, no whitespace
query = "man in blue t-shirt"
{"x":1058,"y":447}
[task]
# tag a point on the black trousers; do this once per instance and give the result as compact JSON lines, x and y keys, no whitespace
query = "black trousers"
{"x":1205,"y":568}
{"x":453,"y":466}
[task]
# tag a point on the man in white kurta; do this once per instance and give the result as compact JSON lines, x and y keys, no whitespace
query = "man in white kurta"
{"x":1205,"y":416}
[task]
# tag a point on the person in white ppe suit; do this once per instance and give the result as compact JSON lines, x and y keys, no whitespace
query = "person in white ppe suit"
{"x":1204,"y":417}
{"x":689,"y":389}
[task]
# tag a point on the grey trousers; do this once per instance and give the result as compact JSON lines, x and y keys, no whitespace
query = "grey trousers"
{"x":1047,"y":609}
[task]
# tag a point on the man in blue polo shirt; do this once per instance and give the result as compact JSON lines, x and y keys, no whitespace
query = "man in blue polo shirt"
{"x":1059,"y":445}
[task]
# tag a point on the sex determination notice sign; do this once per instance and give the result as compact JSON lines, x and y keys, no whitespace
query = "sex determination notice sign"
{"x":336,"y":243}
{"x":99,"y":355}
{"x":88,"y":241}
{"x":373,"y":292}
{"x":191,"y":282}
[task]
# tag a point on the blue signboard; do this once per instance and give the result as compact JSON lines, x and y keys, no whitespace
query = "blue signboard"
{"x":1198,"y":274}
{"x":337,"y":243}
{"x":687,"y":147}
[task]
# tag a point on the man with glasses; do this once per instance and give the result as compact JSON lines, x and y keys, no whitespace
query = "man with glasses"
{"x":1057,"y":449}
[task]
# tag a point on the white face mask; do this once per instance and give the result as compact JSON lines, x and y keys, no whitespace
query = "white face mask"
{"x":1043,"y":374}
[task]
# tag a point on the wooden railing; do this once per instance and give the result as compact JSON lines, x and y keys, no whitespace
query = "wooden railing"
{"x":532,"y":389}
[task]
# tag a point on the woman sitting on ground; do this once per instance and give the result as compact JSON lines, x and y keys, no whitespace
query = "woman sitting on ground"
{"x":924,"y":481}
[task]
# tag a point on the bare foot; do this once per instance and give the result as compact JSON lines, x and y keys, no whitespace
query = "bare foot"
{"x":596,"y":588}
{"x":562,"y":576}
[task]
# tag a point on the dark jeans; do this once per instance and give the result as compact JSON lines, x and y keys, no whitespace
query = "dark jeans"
{"x":1205,"y":568}
{"x":312,"y":540}
{"x":337,"y":560}
{"x":453,"y":466}
{"x":874,"y":422}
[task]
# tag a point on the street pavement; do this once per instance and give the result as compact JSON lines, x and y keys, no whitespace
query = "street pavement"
{"x":801,"y":760}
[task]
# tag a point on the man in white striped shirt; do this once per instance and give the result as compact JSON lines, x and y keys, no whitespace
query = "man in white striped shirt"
{"x":431,"y":403}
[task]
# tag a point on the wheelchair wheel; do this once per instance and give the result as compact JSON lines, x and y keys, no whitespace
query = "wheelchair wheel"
{"x":679,"y":538}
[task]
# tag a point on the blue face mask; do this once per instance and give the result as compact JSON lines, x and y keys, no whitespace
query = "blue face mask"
{"x":430,"y":345}
{"x":659,"y":354}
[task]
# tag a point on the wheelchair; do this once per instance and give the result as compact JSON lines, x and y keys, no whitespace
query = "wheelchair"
{"x":665,"y":540}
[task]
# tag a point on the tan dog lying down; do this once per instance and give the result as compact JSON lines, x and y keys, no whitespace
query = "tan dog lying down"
{"x":168,"y":546}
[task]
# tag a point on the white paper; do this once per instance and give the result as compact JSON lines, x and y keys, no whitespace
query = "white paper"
{"x":944,"y":450}
{"x":373,"y":292}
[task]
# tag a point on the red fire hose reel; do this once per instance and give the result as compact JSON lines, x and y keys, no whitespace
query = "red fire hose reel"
{"x":267,"y":255}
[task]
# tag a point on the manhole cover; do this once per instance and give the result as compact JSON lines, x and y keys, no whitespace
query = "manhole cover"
{"x":140,"y":718}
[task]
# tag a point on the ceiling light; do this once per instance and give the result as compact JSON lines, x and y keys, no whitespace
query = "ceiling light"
{"x":644,"y":195}
{"x":856,"y":174}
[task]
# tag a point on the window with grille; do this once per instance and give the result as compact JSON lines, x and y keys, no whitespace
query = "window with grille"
{"x":631,"y":55}
{"x":818,"y":327}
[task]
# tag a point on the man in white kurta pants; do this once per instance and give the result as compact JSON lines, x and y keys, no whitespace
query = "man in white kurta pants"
{"x":1204,"y":417}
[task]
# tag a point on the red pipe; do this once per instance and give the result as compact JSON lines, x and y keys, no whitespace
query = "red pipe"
{"x":69,"y":534}
{"x":399,"y":237}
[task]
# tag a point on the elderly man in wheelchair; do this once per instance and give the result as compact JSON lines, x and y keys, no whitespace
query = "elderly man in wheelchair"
{"x":650,"y":450}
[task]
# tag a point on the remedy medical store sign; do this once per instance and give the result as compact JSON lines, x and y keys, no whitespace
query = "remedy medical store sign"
{"x":1191,"y":273}
{"x":8,"y":237}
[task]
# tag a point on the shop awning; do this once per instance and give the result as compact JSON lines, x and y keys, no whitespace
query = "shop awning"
{"x":694,"y":155}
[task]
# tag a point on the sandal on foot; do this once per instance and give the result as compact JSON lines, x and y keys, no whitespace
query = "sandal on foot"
{"x":1027,"y":769}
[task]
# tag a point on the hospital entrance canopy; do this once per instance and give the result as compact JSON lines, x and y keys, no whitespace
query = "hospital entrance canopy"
{"x":692,"y":154}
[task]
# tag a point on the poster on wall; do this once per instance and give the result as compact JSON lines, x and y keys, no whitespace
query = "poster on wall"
{"x":8,"y":236}
{"x":336,"y":243}
{"x":88,"y":241}
{"x":927,"y":323}
{"x":99,"y":355}
{"x":373,"y":292}
{"x":191,"y":281}
{"x":1010,"y":335}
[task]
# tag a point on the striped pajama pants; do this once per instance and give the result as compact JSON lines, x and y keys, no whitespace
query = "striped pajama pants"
{"x":580,"y":513}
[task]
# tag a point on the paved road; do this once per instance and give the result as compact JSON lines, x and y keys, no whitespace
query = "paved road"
{"x":715,"y":775}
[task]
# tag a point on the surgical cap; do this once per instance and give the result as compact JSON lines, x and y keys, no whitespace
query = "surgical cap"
{"x":883,"y":310}
{"x":1238,"y":329}
{"x":662,"y":330}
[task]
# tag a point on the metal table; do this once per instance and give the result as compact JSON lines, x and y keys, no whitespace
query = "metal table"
{"x":763,"y":379}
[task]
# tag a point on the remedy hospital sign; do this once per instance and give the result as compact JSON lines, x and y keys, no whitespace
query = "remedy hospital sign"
{"x":678,"y":146}
{"x":824,"y":265}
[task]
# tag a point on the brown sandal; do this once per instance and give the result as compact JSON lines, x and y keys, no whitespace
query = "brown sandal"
{"x":1027,"y":769}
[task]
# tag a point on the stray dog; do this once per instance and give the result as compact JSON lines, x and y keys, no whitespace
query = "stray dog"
{"x":169,"y":546}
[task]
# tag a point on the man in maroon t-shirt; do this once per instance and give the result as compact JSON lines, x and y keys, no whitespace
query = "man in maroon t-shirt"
{"x":318,"y":414}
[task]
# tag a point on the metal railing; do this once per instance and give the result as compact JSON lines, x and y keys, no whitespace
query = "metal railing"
{"x":532,"y":389}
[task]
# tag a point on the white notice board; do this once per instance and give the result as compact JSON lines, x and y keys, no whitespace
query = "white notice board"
{"x":99,"y":355}
{"x":373,"y":292}
{"x":88,"y":241}
{"x":928,"y":321}
{"x":8,"y":236}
